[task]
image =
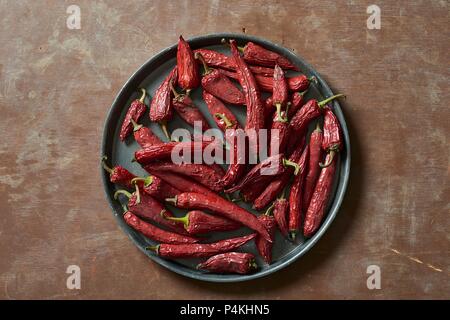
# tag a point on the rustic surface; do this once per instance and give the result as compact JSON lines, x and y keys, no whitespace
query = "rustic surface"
{"x":56,"y":86}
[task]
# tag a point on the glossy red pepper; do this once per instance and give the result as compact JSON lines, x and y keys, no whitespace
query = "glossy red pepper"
{"x":221,"y":207}
{"x":118,"y":174}
{"x":200,"y":250}
{"x":332,"y":135}
{"x":156,"y":188}
{"x":188,"y":74}
{"x":203,"y":174}
{"x":219,"y":85}
{"x":222,"y":116}
{"x":161,"y":106}
{"x":198,"y":222}
{"x":187,"y":110}
{"x":296,"y":196}
{"x":264,"y":247}
{"x":219,"y":60}
{"x":230,"y":262}
{"x":320,"y":197}
{"x":256,"y":54}
{"x":144,"y":136}
{"x":135,"y":112}
{"x":315,"y":156}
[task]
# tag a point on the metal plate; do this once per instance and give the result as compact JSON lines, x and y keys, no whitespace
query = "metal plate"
{"x":149,"y":76}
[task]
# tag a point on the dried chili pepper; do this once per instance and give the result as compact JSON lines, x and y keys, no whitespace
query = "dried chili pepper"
{"x":219,"y":60}
{"x":156,"y":188}
{"x":144,"y":136}
{"x":280,"y":212}
{"x":230,"y":262}
{"x":187,"y":110}
{"x":223,"y":117}
{"x":268,"y":111}
{"x":198,"y":222}
{"x":204,"y":174}
{"x":135,"y":112}
{"x":118,"y":174}
{"x":188,"y":74}
{"x":220,"y":206}
{"x":320,"y":197}
{"x":161,"y":106}
{"x":297,"y":101}
{"x":200,"y":250}
{"x":148,"y":208}
{"x":296,"y":196}
{"x":154,"y":233}
{"x":219,"y":85}
{"x":280,"y":92}
{"x":256,"y":54}
{"x":315,"y":156}
{"x":279,"y":122}
{"x":255,"y":107}
{"x":264,"y":247}
{"x":332,"y":135}
{"x":237,"y":166}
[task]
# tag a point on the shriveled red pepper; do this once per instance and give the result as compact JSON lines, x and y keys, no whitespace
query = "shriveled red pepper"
{"x":296,"y":196}
{"x":230,"y":262}
{"x":164,"y":150}
{"x":187,"y":110}
{"x":264,"y":247}
{"x":118,"y":174}
{"x":268,"y":111}
{"x":156,"y":188}
{"x":188,"y":74}
{"x":236,"y":168}
{"x":256,"y":54}
{"x":144,"y":136}
{"x":280,"y":93}
{"x":200,"y":250}
{"x":154,"y":233}
{"x":332,"y":135}
{"x":148,"y":208}
{"x":223,"y":117}
{"x":280,"y":140}
{"x":135,"y":112}
{"x":255,"y":107}
{"x":220,"y":206}
{"x":204,"y":174}
{"x":315,"y":156}
{"x":161,"y":106}
{"x":219,"y":60}
{"x":320,"y":197}
{"x":219,"y":85}
{"x":280,"y":212}
{"x":198,"y":222}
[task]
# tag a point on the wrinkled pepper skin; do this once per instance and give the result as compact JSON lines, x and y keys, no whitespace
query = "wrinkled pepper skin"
{"x":283,"y":134}
{"x":189,"y":112}
{"x":201,"y":250}
{"x":297,"y":101}
{"x":230,"y":262}
{"x":160,"y":190}
{"x":280,"y":94}
{"x":315,"y":156}
{"x":332,"y":135}
{"x":188,"y":73}
{"x":219,"y":85}
{"x":216,"y":107}
{"x":121,"y":176}
{"x":145,"y":137}
{"x":221,"y":207}
{"x":320,"y":198}
{"x":164,"y":150}
{"x":256,"y":54}
{"x":135,"y":112}
{"x":264,"y":247}
{"x":280,"y":212}
{"x":155,"y":233}
{"x":161,"y":106}
{"x":199,"y":222}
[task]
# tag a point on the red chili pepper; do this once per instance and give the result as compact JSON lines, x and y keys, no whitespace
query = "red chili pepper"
{"x":280,"y":94}
{"x":198,"y":222}
{"x":280,"y":212}
{"x":219,"y":60}
{"x":320,"y":197}
{"x":268,"y":111}
{"x":255,"y":107}
{"x":155,"y":233}
{"x":275,"y":165}
{"x":187,"y":110}
{"x":220,"y":206}
{"x":256,"y":54}
{"x":237,"y":166}
{"x":297,"y":101}
{"x":295,"y":197}
{"x":144,"y":136}
{"x":223,"y":117}
{"x":204,"y":174}
{"x":315,"y":155}
{"x":271,"y":190}
{"x":156,"y":188}
{"x":332,"y":135}
{"x":118,"y":174}
{"x":199,"y":250}
{"x":279,"y":122}
{"x":135,"y":112}
{"x":230,"y":262}
{"x":148,"y":208}
{"x":161,"y":106}
{"x":264,"y":247}
{"x":164,"y":150}
{"x":300,"y":121}
{"x":219,"y":85}
{"x":188,"y":75}
{"x":250,"y":192}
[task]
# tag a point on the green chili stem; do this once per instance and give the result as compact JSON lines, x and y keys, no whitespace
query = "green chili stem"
{"x":292,"y":234}
{"x":172,"y":200}
{"x":312,"y":79}
{"x":207,"y":69}
{"x":138,"y":194}
{"x":124,"y":192}
{"x":105,"y":166}
{"x":184,"y":219}
{"x":163,"y":125}
{"x":223,"y":117}
{"x":143,"y":95}
{"x":147,"y":180}
{"x":287,"y":162}
{"x":153,"y":248}
{"x":329,"y":160}
{"x":324,"y":102}
{"x":269,"y":209}
{"x":279,"y":116}
{"x":136,"y":126}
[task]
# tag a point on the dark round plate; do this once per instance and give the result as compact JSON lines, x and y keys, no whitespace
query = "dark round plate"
{"x":149,"y":76}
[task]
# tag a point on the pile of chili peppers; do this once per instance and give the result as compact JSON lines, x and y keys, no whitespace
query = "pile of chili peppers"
{"x":293,"y":199}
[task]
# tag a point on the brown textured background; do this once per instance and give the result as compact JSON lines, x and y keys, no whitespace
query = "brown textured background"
{"x":56,"y":86}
